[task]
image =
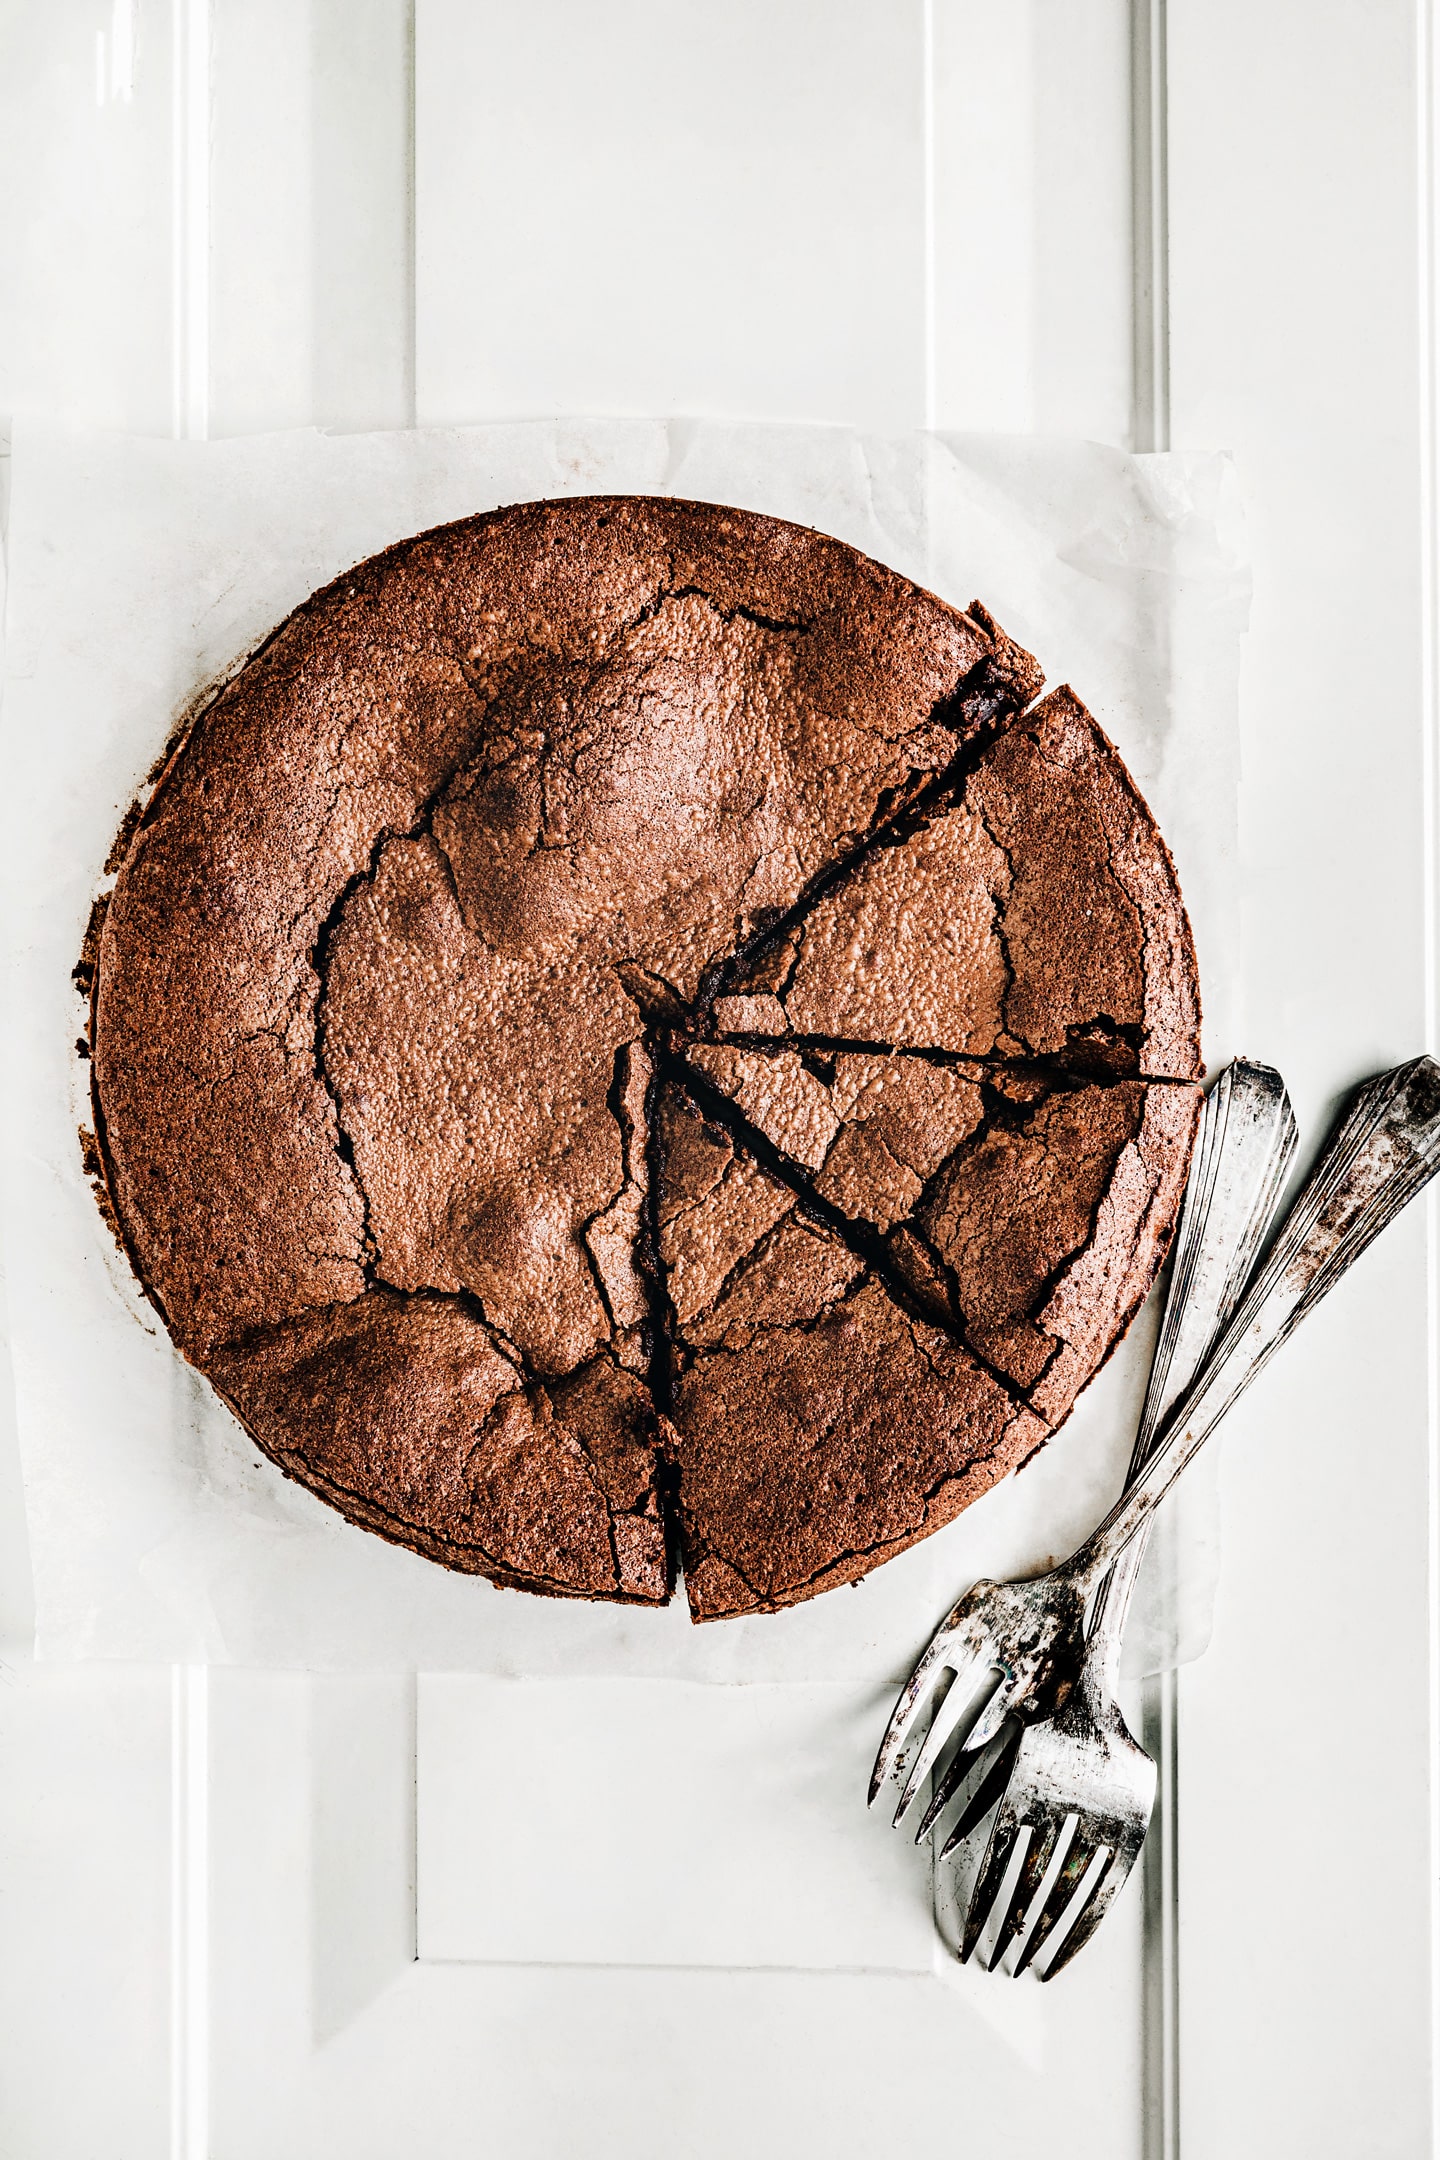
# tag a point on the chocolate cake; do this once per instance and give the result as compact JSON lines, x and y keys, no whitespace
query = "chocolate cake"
{"x":626,"y":1038}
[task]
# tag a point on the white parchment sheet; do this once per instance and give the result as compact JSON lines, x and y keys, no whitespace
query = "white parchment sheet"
{"x":139,"y":571}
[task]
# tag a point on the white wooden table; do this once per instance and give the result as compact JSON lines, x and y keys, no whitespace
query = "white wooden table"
{"x":1202,"y":222}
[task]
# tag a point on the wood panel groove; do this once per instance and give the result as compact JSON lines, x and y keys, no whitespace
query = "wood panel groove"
{"x":189,"y":1913}
{"x":1427,"y":123}
{"x":1150,"y":430}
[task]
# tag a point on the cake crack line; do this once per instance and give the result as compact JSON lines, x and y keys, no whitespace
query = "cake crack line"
{"x":810,"y":1325}
{"x":1051,"y":1064}
{"x":863,"y":1245}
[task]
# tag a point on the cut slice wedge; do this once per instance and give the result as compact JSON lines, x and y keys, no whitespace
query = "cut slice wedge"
{"x":1033,"y":914}
{"x":1024,"y":1211}
{"x":817,"y":1426}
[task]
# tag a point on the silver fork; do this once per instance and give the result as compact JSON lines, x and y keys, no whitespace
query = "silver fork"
{"x":1015,"y":1653}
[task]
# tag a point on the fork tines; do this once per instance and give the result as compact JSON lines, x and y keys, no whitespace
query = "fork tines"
{"x":1048,"y":1888}
{"x":956,"y":1686}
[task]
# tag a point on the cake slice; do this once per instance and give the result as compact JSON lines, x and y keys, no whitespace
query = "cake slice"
{"x":816,"y":1425}
{"x":1034,"y":914}
{"x":1025,"y":1211}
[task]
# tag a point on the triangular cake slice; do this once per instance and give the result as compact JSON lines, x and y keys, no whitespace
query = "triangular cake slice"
{"x":1036,"y":914}
{"x":1026,"y":1211}
{"x":817,"y":1426}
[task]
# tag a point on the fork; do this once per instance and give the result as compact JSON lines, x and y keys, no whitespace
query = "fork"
{"x":1015,"y":1654}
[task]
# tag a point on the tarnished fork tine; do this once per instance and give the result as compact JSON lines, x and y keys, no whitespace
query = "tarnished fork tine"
{"x":1067,"y":1895}
{"x":987,"y":1771}
{"x":1045,"y":1835}
{"x":1071,"y":1830}
{"x":970,"y":1695}
{"x":1094,"y":1899}
{"x":932,"y":1663}
{"x":990,"y":1882}
{"x":990,"y":1899}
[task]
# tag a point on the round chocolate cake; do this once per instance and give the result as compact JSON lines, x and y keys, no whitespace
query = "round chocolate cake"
{"x":630,"y":1037}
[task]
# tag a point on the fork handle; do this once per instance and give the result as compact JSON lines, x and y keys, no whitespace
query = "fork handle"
{"x":1243,"y":1149}
{"x":1385,"y":1148}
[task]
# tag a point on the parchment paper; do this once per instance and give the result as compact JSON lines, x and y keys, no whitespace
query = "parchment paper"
{"x":141,"y":570}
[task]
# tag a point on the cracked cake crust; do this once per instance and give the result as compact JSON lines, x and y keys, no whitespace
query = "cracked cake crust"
{"x":405,"y":955}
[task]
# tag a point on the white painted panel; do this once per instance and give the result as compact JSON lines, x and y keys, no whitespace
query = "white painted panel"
{"x":85,"y":1913}
{"x":1032,"y":274}
{"x":613,"y":1822}
{"x":546,"y":2062}
{"x":310,"y":214}
{"x":659,"y":207}
{"x":1305,"y":1744}
{"x":17,"y":1597}
{"x":85,"y":239}
{"x":312,"y":1896}
{"x":536,"y":2064}
{"x":360,"y":1756}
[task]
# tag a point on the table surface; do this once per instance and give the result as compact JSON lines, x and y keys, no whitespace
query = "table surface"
{"x":277,"y":1913}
